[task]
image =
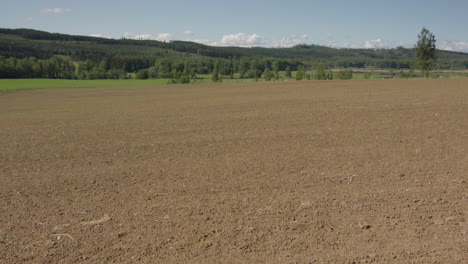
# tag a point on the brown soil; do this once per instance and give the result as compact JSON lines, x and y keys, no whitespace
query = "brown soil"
{"x":277,"y":172}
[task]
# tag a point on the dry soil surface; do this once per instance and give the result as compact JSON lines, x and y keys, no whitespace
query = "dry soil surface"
{"x":276,"y":172}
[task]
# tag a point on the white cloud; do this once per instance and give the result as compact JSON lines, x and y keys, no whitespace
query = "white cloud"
{"x":290,"y":41}
{"x":202,"y":41}
{"x":256,"y":40}
{"x":146,"y":36}
{"x":369,"y":44}
{"x":239,"y":39}
{"x":375,"y":44}
{"x":96,"y":35}
{"x":56,"y":10}
{"x":242,"y":40}
{"x":454,"y":46}
{"x":129,"y":35}
{"x":165,"y":37}
{"x":141,"y":36}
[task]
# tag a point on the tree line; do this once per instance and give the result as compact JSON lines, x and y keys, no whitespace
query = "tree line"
{"x":63,"y":67}
{"x":177,"y":70}
{"x":35,"y":54}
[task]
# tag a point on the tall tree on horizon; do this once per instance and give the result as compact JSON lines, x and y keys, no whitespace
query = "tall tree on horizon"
{"x":215,"y":75}
{"x":426,"y":51}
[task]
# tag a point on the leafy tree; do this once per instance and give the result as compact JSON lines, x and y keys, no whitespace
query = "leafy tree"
{"x":243,"y":66}
{"x":60,"y":67}
{"x":84,"y":69}
{"x":345,"y":74}
{"x":142,"y":74}
{"x":426,"y":51}
{"x":187,"y":67}
{"x":193,"y":73}
{"x":320,"y":74}
{"x":152,"y":72}
{"x":104,"y":65}
{"x":99,"y":73}
{"x":288,"y":71}
{"x":177,"y":66}
{"x":184,"y":79}
{"x":276,"y":68}
{"x":267,"y":75}
{"x":116,"y":74}
{"x":164,"y":68}
{"x":349,"y":74}
{"x":300,"y":73}
{"x":254,"y":71}
{"x":215,"y":75}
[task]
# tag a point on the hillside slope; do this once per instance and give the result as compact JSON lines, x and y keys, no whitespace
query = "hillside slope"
{"x":21,"y":43}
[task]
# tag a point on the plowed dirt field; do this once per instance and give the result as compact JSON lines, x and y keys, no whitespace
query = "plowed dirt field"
{"x":275,"y":172}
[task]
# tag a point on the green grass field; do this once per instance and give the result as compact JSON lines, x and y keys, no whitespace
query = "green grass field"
{"x":8,"y":85}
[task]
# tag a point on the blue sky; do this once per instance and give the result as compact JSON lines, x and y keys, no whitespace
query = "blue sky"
{"x":338,"y":23}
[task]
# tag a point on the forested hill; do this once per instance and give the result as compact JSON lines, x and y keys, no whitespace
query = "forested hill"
{"x":21,"y":43}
